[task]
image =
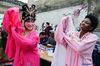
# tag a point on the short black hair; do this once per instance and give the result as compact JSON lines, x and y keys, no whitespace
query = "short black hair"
{"x":94,"y":21}
{"x":42,"y":33}
{"x":47,"y":23}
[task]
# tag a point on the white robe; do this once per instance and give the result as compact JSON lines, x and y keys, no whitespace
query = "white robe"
{"x":59,"y":57}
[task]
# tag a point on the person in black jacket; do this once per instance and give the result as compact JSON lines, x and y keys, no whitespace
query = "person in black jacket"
{"x":48,"y":28}
{"x":4,"y":37}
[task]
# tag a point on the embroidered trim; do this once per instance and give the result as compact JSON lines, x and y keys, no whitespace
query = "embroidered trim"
{"x":76,"y":36}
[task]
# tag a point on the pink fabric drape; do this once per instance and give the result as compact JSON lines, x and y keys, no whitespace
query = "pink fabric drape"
{"x":11,"y":18}
{"x":78,"y":51}
{"x":22,"y":49}
{"x":62,"y":28}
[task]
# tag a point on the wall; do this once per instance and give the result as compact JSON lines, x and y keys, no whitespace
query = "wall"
{"x":55,"y":16}
{"x":47,"y":5}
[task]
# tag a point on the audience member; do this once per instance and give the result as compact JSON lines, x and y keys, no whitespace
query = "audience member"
{"x":48,"y":28}
{"x":51,"y":41}
{"x":43,"y":38}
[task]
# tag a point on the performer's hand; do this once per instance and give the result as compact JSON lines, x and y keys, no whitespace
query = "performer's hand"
{"x":64,"y":27}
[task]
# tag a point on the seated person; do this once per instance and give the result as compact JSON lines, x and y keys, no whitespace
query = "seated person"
{"x":1,"y":47}
{"x":51,"y":40}
{"x":43,"y":38}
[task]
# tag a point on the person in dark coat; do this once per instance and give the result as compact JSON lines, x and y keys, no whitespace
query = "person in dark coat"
{"x":48,"y":28}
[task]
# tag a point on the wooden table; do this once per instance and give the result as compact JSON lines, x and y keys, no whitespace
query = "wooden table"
{"x":44,"y":55}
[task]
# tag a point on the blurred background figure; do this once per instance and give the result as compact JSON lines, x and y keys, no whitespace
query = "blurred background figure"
{"x":48,"y":28}
{"x":55,"y":27}
{"x":3,"y":41}
{"x":51,"y":41}
{"x":4,"y":37}
{"x":43,"y":38}
{"x":43,"y":26}
{"x":1,"y":28}
{"x":1,"y":47}
{"x":96,"y":54}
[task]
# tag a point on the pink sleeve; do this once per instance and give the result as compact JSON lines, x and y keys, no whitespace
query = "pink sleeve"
{"x":10,"y":47}
{"x":11,"y":18}
{"x":62,"y":27}
{"x":84,"y":46}
{"x":25,"y":43}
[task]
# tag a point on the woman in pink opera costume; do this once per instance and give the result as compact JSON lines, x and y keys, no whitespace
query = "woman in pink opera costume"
{"x":75,"y":48}
{"x":21,"y":43}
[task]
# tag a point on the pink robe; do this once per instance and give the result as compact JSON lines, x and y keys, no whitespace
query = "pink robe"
{"x":78,"y":51}
{"x":22,"y":49}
